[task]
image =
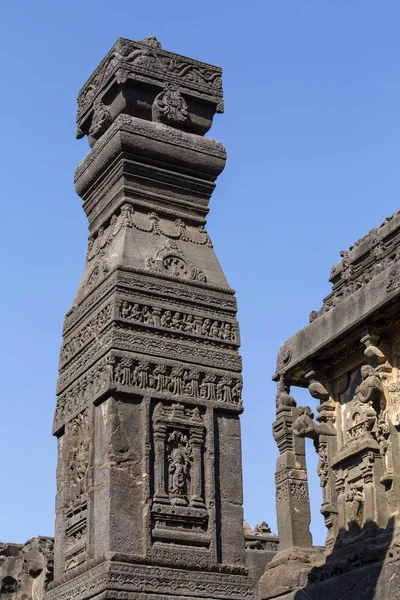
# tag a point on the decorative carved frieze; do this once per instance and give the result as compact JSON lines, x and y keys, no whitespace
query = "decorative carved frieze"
{"x":141,"y":374}
{"x":87,"y":333}
{"x":126,"y":281}
{"x":151,"y":222}
{"x":178,"y":321}
{"x":367,"y":258}
{"x":154,"y":579}
{"x":140,"y":61}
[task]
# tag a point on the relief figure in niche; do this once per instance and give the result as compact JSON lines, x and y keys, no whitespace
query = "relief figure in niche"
{"x":355,"y":508}
{"x":179,"y":465}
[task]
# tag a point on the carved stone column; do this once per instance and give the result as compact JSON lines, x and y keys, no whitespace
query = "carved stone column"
{"x":149,"y":392}
{"x":292,"y":500}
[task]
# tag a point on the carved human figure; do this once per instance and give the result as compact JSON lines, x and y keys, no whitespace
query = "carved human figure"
{"x":160,"y":377}
{"x":179,"y":462}
{"x":237,"y":391}
{"x":189,"y":324}
{"x":126,"y":366}
{"x":142,"y":374}
{"x":214,"y":331}
{"x":223,"y":389}
{"x":205,"y":328}
{"x":147,"y":316}
{"x":166,"y":319}
{"x":178,"y":471}
{"x":323,"y":470}
{"x":176,"y":384}
{"x":191,"y":379}
{"x":118,"y":374}
{"x":125,"y":310}
{"x":136,"y":313}
{"x":177,"y":321}
{"x":355,"y":508}
{"x":207,"y":387}
{"x":227,"y":333}
{"x":385,"y":446}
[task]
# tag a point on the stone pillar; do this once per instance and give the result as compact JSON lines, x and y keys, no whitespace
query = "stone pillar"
{"x":292,"y":499}
{"x":148,"y":409}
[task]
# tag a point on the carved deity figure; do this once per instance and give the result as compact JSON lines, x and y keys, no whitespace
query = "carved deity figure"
{"x":179,"y":463}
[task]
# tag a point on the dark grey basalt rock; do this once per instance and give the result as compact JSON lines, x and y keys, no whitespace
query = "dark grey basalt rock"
{"x":26,"y":569}
{"x":349,"y":359}
{"x":149,"y":478}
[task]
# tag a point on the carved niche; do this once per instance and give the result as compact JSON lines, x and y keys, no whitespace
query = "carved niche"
{"x":178,"y":508}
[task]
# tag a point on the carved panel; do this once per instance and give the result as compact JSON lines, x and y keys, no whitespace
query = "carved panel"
{"x":178,"y":321}
{"x":75,"y":490}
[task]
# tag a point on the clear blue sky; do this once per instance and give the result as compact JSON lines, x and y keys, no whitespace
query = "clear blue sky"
{"x":311,"y":125}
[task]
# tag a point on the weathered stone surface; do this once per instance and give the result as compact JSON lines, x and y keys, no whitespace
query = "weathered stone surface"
{"x":26,"y":569}
{"x":149,"y":393}
{"x":349,"y":359}
{"x":261,"y":547}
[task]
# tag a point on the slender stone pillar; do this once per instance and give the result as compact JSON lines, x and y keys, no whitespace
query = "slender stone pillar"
{"x":149,"y":393}
{"x":292,"y":499}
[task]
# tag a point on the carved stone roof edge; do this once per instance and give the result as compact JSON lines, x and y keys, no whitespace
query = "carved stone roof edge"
{"x":144,"y":45}
{"x":363,"y":245}
{"x":309,"y":342}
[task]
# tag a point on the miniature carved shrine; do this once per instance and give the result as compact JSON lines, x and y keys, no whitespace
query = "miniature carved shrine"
{"x":348,"y":358}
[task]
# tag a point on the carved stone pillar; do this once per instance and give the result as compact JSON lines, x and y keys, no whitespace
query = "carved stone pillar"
{"x":160,"y":494}
{"x":149,"y":392}
{"x":292,"y":499}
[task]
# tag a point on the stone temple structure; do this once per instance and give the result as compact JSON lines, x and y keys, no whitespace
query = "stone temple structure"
{"x":349,"y":359}
{"x":149,"y":477}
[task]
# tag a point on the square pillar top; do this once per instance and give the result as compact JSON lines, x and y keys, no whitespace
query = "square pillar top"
{"x":141,"y":79}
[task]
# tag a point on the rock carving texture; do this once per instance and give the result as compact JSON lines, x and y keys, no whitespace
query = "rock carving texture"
{"x":349,"y":359}
{"x":148,"y":502}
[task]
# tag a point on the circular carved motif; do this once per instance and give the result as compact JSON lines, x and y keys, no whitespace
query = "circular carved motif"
{"x":176,"y":266}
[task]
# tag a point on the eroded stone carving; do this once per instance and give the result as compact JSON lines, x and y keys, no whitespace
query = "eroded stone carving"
{"x":171,"y":261}
{"x":169,"y":107}
{"x":149,"y":392}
